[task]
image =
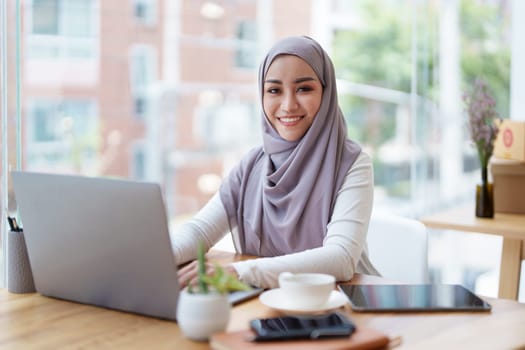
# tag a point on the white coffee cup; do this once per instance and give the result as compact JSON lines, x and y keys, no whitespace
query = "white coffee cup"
{"x":306,"y":290}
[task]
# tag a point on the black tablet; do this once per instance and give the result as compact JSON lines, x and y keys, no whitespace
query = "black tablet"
{"x":412,"y":297}
{"x":243,"y":295}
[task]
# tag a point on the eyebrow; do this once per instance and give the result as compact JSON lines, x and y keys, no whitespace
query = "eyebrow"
{"x":296,"y":81}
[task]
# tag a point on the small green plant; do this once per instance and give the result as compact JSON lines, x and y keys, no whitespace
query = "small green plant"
{"x":220,"y":281}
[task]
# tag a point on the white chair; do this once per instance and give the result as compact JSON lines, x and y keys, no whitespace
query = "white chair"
{"x":398,"y":247}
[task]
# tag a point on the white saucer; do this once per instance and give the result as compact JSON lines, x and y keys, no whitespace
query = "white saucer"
{"x":274,"y":299}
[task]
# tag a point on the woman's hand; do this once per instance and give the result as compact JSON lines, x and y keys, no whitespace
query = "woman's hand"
{"x":188,"y":274}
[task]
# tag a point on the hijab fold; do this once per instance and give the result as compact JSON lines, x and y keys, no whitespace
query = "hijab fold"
{"x":280,"y":197}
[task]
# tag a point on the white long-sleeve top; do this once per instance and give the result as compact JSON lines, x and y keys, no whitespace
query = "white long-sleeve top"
{"x":344,"y":250}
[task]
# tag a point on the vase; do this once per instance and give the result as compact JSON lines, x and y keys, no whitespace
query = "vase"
{"x":484,"y":200}
{"x":201,"y":315}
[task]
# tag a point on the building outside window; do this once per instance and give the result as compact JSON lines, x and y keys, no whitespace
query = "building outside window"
{"x":138,"y":162}
{"x":61,"y":135}
{"x":143,"y":68}
{"x":246,"y":53}
{"x":62,"y":29}
{"x":145,"y":11}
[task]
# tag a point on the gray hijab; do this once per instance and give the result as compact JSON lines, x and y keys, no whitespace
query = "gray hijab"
{"x":280,"y":197}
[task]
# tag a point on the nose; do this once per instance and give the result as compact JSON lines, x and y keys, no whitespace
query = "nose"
{"x":289,"y":102}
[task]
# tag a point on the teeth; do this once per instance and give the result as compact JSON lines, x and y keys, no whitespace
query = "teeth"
{"x":290,"y":120}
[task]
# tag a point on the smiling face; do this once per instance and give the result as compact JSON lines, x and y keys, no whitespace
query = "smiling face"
{"x":292,"y":96}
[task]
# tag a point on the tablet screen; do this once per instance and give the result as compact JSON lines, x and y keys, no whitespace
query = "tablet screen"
{"x":412,"y":297}
{"x":240,"y":296}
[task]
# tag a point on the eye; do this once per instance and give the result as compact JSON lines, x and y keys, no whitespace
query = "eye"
{"x":273,"y":90}
{"x":304,"y":89}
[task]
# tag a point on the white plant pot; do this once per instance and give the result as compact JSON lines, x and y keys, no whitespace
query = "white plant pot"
{"x":201,"y":315}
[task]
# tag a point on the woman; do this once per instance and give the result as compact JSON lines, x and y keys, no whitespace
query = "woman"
{"x":302,"y":201}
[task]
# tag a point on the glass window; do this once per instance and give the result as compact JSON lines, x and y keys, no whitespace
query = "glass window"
{"x":142,"y":75}
{"x":63,"y":29}
{"x":77,"y":18}
{"x":374,"y":62}
{"x":145,"y":11}
{"x":396,"y":108}
{"x":61,"y":135}
{"x":221,"y":127}
{"x":138,"y":170}
{"x":44,"y":126}
{"x":104,"y":92}
{"x":45,"y":20}
{"x":245,"y":55}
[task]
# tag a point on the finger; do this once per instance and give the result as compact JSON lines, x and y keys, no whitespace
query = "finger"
{"x":188,"y":279}
{"x":210,"y":269}
{"x":187,"y":267}
{"x":227,"y":268}
{"x":187,"y":274}
{"x":231,"y":270}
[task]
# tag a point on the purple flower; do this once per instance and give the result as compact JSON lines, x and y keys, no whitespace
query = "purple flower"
{"x":481,"y":110}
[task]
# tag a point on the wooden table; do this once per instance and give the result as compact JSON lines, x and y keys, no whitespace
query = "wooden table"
{"x":510,"y":226}
{"x":35,"y":321}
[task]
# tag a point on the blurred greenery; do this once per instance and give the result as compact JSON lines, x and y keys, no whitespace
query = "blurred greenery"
{"x":376,"y":50}
{"x":486,"y":50}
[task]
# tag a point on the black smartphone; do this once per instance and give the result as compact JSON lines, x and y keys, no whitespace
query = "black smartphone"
{"x":302,"y":327}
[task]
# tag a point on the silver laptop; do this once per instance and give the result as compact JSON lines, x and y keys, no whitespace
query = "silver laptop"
{"x":99,"y":241}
